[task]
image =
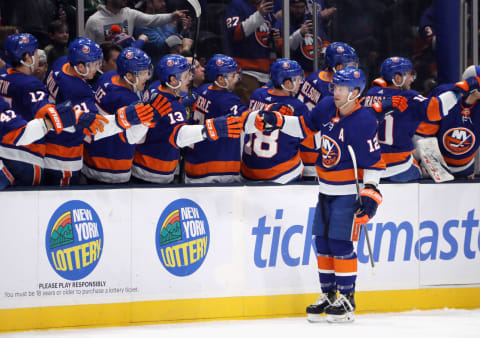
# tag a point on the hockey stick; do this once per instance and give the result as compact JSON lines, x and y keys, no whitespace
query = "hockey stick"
{"x":198,"y":12}
{"x":354,"y":161}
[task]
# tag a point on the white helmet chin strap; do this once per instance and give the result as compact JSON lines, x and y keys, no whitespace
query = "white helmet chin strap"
{"x":134,"y":85}
{"x":30,"y":66}
{"x":226,"y":81}
{"x":349,"y":100}
{"x":84,"y":75}
{"x":175,"y":88}
{"x":404,"y":78}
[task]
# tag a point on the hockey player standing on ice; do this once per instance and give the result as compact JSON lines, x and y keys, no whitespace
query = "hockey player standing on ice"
{"x":274,"y":156}
{"x":109,"y":160}
{"x":338,"y":55}
{"x":341,"y":121}
{"x":400,"y":112}
{"x":67,"y":81}
{"x":157,"y":155}
{"x":219,"y":161}
{"x":458,"y":133}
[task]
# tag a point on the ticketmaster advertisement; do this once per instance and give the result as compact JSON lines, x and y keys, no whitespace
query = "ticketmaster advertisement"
{"x":72,"y":247}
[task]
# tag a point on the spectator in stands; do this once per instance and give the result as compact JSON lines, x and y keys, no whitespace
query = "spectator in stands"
{"x":252,"y":42}
{"x":157,"y":36}
{"x":176,"y":44}
{"x":115,"y":12}
{"x":110,"y":53}
{"x":124,"y":40}
{"x":58,"y":35}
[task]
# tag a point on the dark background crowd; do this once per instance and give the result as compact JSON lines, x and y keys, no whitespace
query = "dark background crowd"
{"x":375,"y":28}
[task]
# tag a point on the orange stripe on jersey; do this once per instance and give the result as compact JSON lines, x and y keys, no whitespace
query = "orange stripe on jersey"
{"x":309,"y":156}
{"x":171,"y":139}
{"x":396,"y":157}
{"x":12,"y":136}
{"x":325,"y":262}
{"x":9,"y":175}
{"x":64,"y":152}
{"x":433,"y":110}
{"x":379,"y":82}
{"x":306,"y":130}
{"x":212,"y":167}
{"x":154,"y":163}
{"x":324,"y":76}
{"x":66,"y":178}
{"x":257,"y":64}
{"x":462,"y":161}
{"x":37,"y":175}
{"x":428,"y":129}
{"x":238,"y":33}
{"x":266,"y":174}
{"x":107,"y":163}
{"x":36,"y":148}
{"x":309,"y":142}
{"x":380,"y":164}
{"x":122,"y":137}
{"x":345,"y":175}
{"x":345,"y":265}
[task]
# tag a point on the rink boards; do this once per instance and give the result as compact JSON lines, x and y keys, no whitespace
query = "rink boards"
{"x":138,"y":255}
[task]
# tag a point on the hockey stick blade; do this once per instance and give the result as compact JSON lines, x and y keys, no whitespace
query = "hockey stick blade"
{"x":196,"y":6}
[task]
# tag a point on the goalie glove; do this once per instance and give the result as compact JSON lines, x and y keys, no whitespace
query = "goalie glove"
{"x":469,"y":85}
{"x":135,"y":113}
{"x":371,"y":198}
{"x":397,"y":102}
{"x":225,"y":126}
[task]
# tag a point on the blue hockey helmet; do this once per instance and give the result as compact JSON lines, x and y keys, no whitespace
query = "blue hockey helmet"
{"x":471,"y":71}
{"x":220,"y":64}
{"x":83,"y":50}
{"x":340,"y":53}
{"x":283,"y":69}
{"x":395,"y":65}
{"x":17,"y":45}
{"x":132,"y":60}
{"x":350,"y":77}
{"x":171,"y":64}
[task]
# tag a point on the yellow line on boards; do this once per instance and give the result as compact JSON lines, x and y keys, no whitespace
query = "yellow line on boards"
{"x":182,"y":310}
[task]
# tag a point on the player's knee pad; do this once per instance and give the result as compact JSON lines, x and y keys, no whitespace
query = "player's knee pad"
{"x":321,"y":243}
{"x":341,"y":248}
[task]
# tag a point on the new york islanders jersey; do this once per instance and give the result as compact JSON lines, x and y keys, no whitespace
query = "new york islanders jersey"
{"x":64,"y":151}
{"x":27,"y":96}
{"x":110,"y":159}
{"x":22,"y":166}
{"x":315,"y":88}
{"x":156,"y":158}
{"x":334,"y":165}
{"x":272,"y":156}
{"x":249,"y":42}
{"x":396,"y":128}
{"x":217,"y":161}
{"x":457,"y":134}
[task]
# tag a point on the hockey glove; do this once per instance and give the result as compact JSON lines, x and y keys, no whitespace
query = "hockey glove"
{"x":161,"y":105}
{"x":91,"y":123}
{"x":370,"y":200}
{"x":231,"y":126}
{"x":135,"y":113}
{"x":189,"y":100}
{"x":54,"y":116}
{"x":469,"y":85}
{"x":397,"y":102}
{"x":269,"y":121}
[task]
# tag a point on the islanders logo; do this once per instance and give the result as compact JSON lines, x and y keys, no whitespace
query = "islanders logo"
{"x":85,"y":49}
{"x":330,"y":151}
{"x":182,"y":237}
{"x":262,"y":34}
{"x":458,"y":141}
{"x":74,"y":240}
{"x":307,"y":47}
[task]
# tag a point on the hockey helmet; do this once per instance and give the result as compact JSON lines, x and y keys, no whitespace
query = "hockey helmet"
{"x":171,"y":64}
{"x":17,"y":45}
{"x":83,"y":50}
{"x":283,"y":69}
{"x":132,"y":60}
{"x":340,"y":53}
{"x":220,"y":64}
{"x":350,"y":77}
{"x":395,"y":65}
{"x":471,"y":71}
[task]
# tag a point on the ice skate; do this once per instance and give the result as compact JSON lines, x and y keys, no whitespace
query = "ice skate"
{"x":315,"y":310}
{"x":341,"y":311}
